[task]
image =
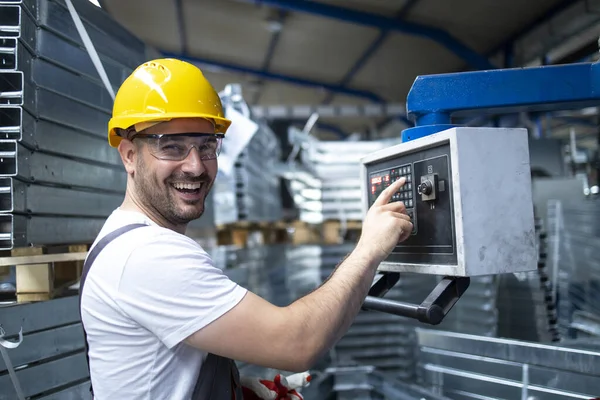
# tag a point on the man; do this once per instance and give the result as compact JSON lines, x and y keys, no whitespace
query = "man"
{"x":160,"y":320}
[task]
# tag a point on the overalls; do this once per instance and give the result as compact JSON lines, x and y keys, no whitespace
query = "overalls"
{"x":219,"y":377}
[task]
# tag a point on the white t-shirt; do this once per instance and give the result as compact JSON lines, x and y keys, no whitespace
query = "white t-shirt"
{"x":146,"y":292}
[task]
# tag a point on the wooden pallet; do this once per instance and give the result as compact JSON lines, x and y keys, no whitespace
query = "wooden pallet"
{"x":245,"y":233}
{"x":336,"y":231}
{"x":43,"y":273}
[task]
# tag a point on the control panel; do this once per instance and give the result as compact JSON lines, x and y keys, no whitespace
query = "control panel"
{"x":468,"y":194}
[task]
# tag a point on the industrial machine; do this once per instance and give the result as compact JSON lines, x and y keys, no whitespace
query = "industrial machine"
{"x":468,"y":189}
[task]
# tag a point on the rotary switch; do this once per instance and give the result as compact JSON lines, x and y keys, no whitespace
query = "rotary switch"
{"x":428,"y":187}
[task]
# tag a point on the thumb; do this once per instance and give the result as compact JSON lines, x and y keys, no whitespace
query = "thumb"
{"x":298,"y":380}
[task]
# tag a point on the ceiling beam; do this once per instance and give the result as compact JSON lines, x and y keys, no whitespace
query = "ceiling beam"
{"x":440,"y":36}
{"x":365,"y":94}
{"x":373,"y":47}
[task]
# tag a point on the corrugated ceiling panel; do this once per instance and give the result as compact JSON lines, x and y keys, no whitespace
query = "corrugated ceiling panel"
{"x":393,"y":68}
{"x":318,"y":48}
{"x":143,"y":18}
{"x":281,"y":93}
{"x":228,"y":31}
{"x":480,"y":24}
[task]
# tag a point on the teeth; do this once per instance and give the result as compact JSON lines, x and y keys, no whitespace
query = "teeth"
{"x":187,"y":186}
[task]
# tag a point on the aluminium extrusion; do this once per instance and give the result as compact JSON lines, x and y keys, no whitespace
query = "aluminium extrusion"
{"x":10,"y":21}
{"x":11,"y":88}
{"x":11,"y":122}
{"x":45,"y":168}
{"x":8,"y":54}
{"x":59,"y":140}
{"x":43,"y":74}
{"x":507,"y":368}
{"x":118,"y":45}
{"x":59,"y":109}
{"x":57,"y":201}
{"x":48,"y":230}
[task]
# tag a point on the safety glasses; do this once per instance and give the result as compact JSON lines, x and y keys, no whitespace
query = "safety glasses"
{"x":177,"y":146}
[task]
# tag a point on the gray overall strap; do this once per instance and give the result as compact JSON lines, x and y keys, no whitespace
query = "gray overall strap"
{"x":86,"y":268}
{"x":219,"y":379}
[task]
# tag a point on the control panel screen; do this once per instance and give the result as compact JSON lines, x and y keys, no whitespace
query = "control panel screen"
{"x":427,"y":196}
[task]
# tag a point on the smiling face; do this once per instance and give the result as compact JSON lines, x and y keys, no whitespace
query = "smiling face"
{"x":171,"y":192}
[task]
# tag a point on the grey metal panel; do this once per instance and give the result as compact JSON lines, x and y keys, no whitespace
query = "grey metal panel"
{"x":45,"y":168}
{"x":11,"y":88}
{"x":46,"y":344}
{"x":6,"y":195}
{"x":11,"y":119}
{"x":6,"y":231}
{"x":8,"y":54}
{"x":8,"y":158}
{"x":42,"y":230}
{"x":50,"y":200}
{"x":61,"y":140}
{"x":68,"y":55}
{"x":496,"y":388}
{"x":540,"y":376}
{"x":78,"y":392}
{"x":28,"y":29}
{"x":10,"y":20}
{"x":79,"y":88}
{"x":56,"y":108}
{"x":39,"y":316}
{"x":51,"y":375}
{"x":580,"y":361}
{"x":119,"y":44}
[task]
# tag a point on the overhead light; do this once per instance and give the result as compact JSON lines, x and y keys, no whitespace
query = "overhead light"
{"x":96,"y":3}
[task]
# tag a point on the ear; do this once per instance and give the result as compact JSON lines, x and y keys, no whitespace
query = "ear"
{"x":128,"y":153}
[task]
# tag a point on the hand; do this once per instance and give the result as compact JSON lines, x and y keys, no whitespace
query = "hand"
{"x":280,"y":388}
{"x":385,"y":224}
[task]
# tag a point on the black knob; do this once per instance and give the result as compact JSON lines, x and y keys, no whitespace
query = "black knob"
{"x":425,"y":188}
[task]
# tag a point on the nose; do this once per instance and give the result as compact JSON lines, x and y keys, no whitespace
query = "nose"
{"x":193,"y":164}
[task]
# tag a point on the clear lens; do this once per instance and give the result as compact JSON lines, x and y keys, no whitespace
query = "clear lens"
{"x":177,"y":147}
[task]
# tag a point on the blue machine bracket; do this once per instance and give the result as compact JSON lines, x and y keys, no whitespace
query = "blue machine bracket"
{"x":434,"y":99}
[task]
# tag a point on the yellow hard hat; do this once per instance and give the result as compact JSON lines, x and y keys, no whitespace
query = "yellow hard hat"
{"x":163,"y":89}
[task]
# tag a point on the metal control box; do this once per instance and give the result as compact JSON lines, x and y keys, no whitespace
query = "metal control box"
{"x":468,"y":192}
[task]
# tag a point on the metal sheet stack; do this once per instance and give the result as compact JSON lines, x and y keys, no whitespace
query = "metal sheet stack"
{"x":463,"y":366}
{"x":526,"y":303}
{"x":326,"y":185}
{"x":574,"y":237}
{"x":60,"y":178}
{"x":250,"y":191}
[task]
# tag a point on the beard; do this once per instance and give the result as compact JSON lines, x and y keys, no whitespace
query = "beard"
{"x":160,"y":196}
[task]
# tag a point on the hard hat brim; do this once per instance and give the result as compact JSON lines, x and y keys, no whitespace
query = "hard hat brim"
{"x":221,"y":124}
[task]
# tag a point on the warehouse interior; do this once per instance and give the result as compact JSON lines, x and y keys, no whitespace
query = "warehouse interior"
{"x":321,"y":93}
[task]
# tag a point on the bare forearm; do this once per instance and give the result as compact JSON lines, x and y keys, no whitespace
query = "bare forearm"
{"x":323,"y":316}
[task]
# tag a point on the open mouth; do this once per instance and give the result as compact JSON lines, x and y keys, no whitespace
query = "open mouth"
{"x":187,"y":188}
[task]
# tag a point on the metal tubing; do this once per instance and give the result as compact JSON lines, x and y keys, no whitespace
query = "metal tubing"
{"x":434,"y":99}
{"x":440,"y":36}
{"x":11,"y":121}
{"x":11,"y":88}
{"x":10,"y":21}
{"x":8,"y":54}
{"x":391,"y":307}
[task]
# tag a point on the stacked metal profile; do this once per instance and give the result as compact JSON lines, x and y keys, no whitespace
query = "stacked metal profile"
{"x":526,"y":303}
{"x":60,"y":178}
{"x":251,"y":192}
{"x":327,"y":185}
{"x":463,"y":366}
{"x":574,"y":237}
{"x":283,"y":274}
